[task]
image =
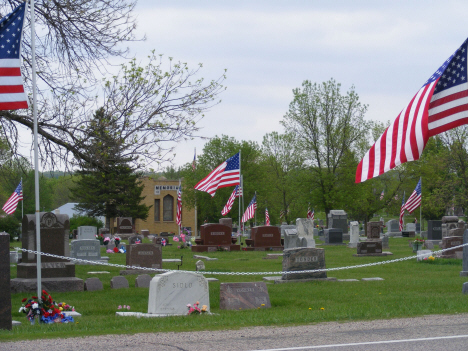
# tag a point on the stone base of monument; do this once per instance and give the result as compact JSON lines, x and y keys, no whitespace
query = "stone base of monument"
{"x":393,"y":234}
{"x":385,"y":253}
{"x":104,"y":259}
{"x":62,"y":284}
{"x":213,"y":248}
{"x":270,"y":248}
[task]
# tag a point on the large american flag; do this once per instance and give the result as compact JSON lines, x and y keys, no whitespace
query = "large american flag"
{"x":226,"y":174}
{"x":414,"y":201}
{"x":12,"y":202}
{"x":441,"y":104}
{"x":230,"y":202}
{"x":250,"y":211}
{"x":179,"y":207}
{"x":402,"y":212}
{"x":12,"y":95}
{"x":267,"y":217}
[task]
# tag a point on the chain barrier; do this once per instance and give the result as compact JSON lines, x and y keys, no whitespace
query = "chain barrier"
{"x":233,"y":273}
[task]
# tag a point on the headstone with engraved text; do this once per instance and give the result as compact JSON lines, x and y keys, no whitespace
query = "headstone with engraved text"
{"x":237,"y":296}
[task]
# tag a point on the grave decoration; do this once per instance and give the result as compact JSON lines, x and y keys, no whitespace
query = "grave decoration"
{"x":263,"y":238}
{"x":45,"y":309}
{"x":195,"y":309}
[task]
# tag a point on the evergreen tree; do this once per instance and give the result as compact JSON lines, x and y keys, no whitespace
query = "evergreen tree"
{"x":108,"y":186}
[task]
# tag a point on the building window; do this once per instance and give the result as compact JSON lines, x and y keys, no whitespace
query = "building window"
{"x":157,"y":215}
{"x":168,"y":208}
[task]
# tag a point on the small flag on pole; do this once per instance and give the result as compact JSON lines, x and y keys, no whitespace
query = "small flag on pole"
{"x":227,"y":208}
{"x":310,"y":214}
{"x":250,"y":211}
{"x":267,"y":217}
{"x":402,"y":212}
{"x":179,"y":207}
{"x":382,"y":195}
{"x":226,"y":174}
{"x":12,"y":202}
{"x":12,"y":95}
{"x":414,"y":201}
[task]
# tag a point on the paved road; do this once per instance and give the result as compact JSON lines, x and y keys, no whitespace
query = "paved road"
{"x":439,"y":332}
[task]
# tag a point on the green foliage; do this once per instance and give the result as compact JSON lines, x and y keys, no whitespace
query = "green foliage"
{"x":79,"y":221}
{"x":10,"y":225}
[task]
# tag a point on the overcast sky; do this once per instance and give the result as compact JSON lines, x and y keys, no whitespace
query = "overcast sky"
{"x":386,"y":49}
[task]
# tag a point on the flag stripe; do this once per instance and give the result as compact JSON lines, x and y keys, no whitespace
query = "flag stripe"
{"x":10,"y":71}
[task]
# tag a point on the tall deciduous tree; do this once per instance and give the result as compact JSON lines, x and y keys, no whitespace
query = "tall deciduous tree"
{"x":328,"y":126}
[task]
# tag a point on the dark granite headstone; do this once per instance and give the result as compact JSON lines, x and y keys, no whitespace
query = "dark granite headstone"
{"x":266,"y":236}
{"x":338,"y":219}
{"x":304,"y":258}
{"x":369,"y":247}
{"x":104,"y":231}
{"x":226,"y":221}
{"x":119,"y":282}
{"x":5,"y":293}
{"x":93,"y":284}
{"x":374,"y":229}
{"x":451,"y":241}
{"x":143,"y":281}
{"x":215,"y":234}
{"x":407,"y":234}
{"x":124,"y":225}
{"x":144,"y":255}
{"x":434,"y":230}
{"x":236,"y":296}
{"x":333,"y":236}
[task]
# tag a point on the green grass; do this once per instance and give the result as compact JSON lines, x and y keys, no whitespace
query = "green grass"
{"x":409,"y":289}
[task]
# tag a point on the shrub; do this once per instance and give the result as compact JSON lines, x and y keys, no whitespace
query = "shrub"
{"x":10,"y":225}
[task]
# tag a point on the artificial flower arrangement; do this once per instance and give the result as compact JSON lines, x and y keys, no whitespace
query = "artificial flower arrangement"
{"x":46,"y":309}
{"x":106,"y":240}
{"x":125,"y":307}
{"x":195,"y":309}
{"x":418,"y":241}
{"x":100,"y":238}
{"x":163,"y":242}
{"x":116,"y":241}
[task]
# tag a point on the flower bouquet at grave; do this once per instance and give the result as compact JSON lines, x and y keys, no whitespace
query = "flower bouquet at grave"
{"x":106,"y":240}
{"x":116,"y":241}
{"x":45,"y":309}
{"x":195,"y":309}
{"x":100,"y":238}
{"x":163,"y":242}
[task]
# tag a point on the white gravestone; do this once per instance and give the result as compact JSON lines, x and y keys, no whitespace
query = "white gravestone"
{"x":354,"y":234}
{"x":86,"y":232}
{"x":170,"y":292}
{"x":305,"y":229}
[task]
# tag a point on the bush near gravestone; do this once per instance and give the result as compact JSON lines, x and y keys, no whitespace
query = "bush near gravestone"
{"x":10,"y":225}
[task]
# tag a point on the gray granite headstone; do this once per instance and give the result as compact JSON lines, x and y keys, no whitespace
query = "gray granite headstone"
{"x":86,"y":232}
{"x":393,"y":226}
{"x":305,"y":229}
{"x":464,"y":271}
{"x":5,"y":293}
{"x":284,"y":227}
{"x":93,"y":284}
{"x":465,"y":288}
{"x":200,"y":265}
{"x":301,"y":259}
{"x":354,"y":234}
{"x":291,"y":239}
{"x":119,"y":282}
{"x":410,"y":227}
{"x":170,"y":292}
{"x":236,"y":296}
{"x":86,"y":249}
{"x":143,"y":281}
{"x":338,"y":219}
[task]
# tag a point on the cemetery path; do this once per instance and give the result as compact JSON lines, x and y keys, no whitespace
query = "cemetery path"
{"x":435,"y":332}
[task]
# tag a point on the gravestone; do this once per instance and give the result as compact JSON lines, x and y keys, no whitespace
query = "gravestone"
{"x":86,"y":249}
{"x":264,"y":237}
{"x":143,"y":281}
{"x":144,"y":255}
{"x":333,"y":236}
{"x":449,"y":242}
{"x":369,"y":247}
{"x":214,"y":236}
{"x":338,"y":219}
{"x":422,"y":254}
{"x":243,"y":296}
{"x":57,"y":274}
{"x":124,"y":225}
{"x":170,"y":292}
{"x":93,"y":284}
{"x":385,"y":242}
{"x":86,"y":232}
{"x":226,"y":221}
{"x":119,"y":282}
{"x":448,"y":223}
{"x":464,"y":271}
{"x":373,"y":230}
{"x":103,"y":231}
{"x":305,"y":229}
{"x":411,"y":227}
{"x":134,"y":238}
{"x":459,"y":230}
{"x":284,"y":227}
{"x":354,"y":234}
{"x":292,"y":239}
{"x":407,"y":234}
{"x":145,"y":232}
{"x":393,"y":226}
{"x":200,"y":265}
{"x":300,"y":259}
{"x":434,"y":230}
{"x":5,"y":293}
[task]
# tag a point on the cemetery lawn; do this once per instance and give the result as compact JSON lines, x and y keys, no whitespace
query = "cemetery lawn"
{"x":409,"y":289}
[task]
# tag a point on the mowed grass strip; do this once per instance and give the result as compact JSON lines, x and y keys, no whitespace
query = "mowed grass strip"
{"x":409,"y":288}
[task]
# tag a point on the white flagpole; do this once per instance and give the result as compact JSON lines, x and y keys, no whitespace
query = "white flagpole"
{"x":195,"y":230}
{"x":255,"y":219}
{"x":420,"y":210}
{"x":36,"y":157}
{"x":240,"y":186}
{"x":179,"y":192}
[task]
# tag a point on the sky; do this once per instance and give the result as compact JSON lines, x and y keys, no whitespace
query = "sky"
{"x":385,"y":49}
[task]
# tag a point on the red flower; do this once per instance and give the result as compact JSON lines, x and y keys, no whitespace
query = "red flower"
{"x":116,"y":250}
{"x":44,"y":292}
{"x":34,"y":297}
{"x":23,"y":300}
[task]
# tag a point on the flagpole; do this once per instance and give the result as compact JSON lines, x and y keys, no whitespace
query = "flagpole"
{"x":255,"y":214}
{"x":195,"y":195}
{"x":22,"y":200}
{"x":242,"y":182}
{"x":36,"y":157}
{"x":420,"y":210}
{"x":180,"y":225}
{"x":241,"y":194}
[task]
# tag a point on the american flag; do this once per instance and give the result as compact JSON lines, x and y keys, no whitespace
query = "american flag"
{"x":382,"y":195}
{"x":267,"y":217}
{"x":12,"y":203}
{"x":310,"y":214}
{"x":282,"y":214}
{"x":179,"y":207}
{"x":226,"y":174}
{"x":441,"y":104}
{"x":230,"y":202}
{"x":250,"y":211}
{"x":402,"y":212}
{"x":415,"y":199}
{"x":12,"y":95}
